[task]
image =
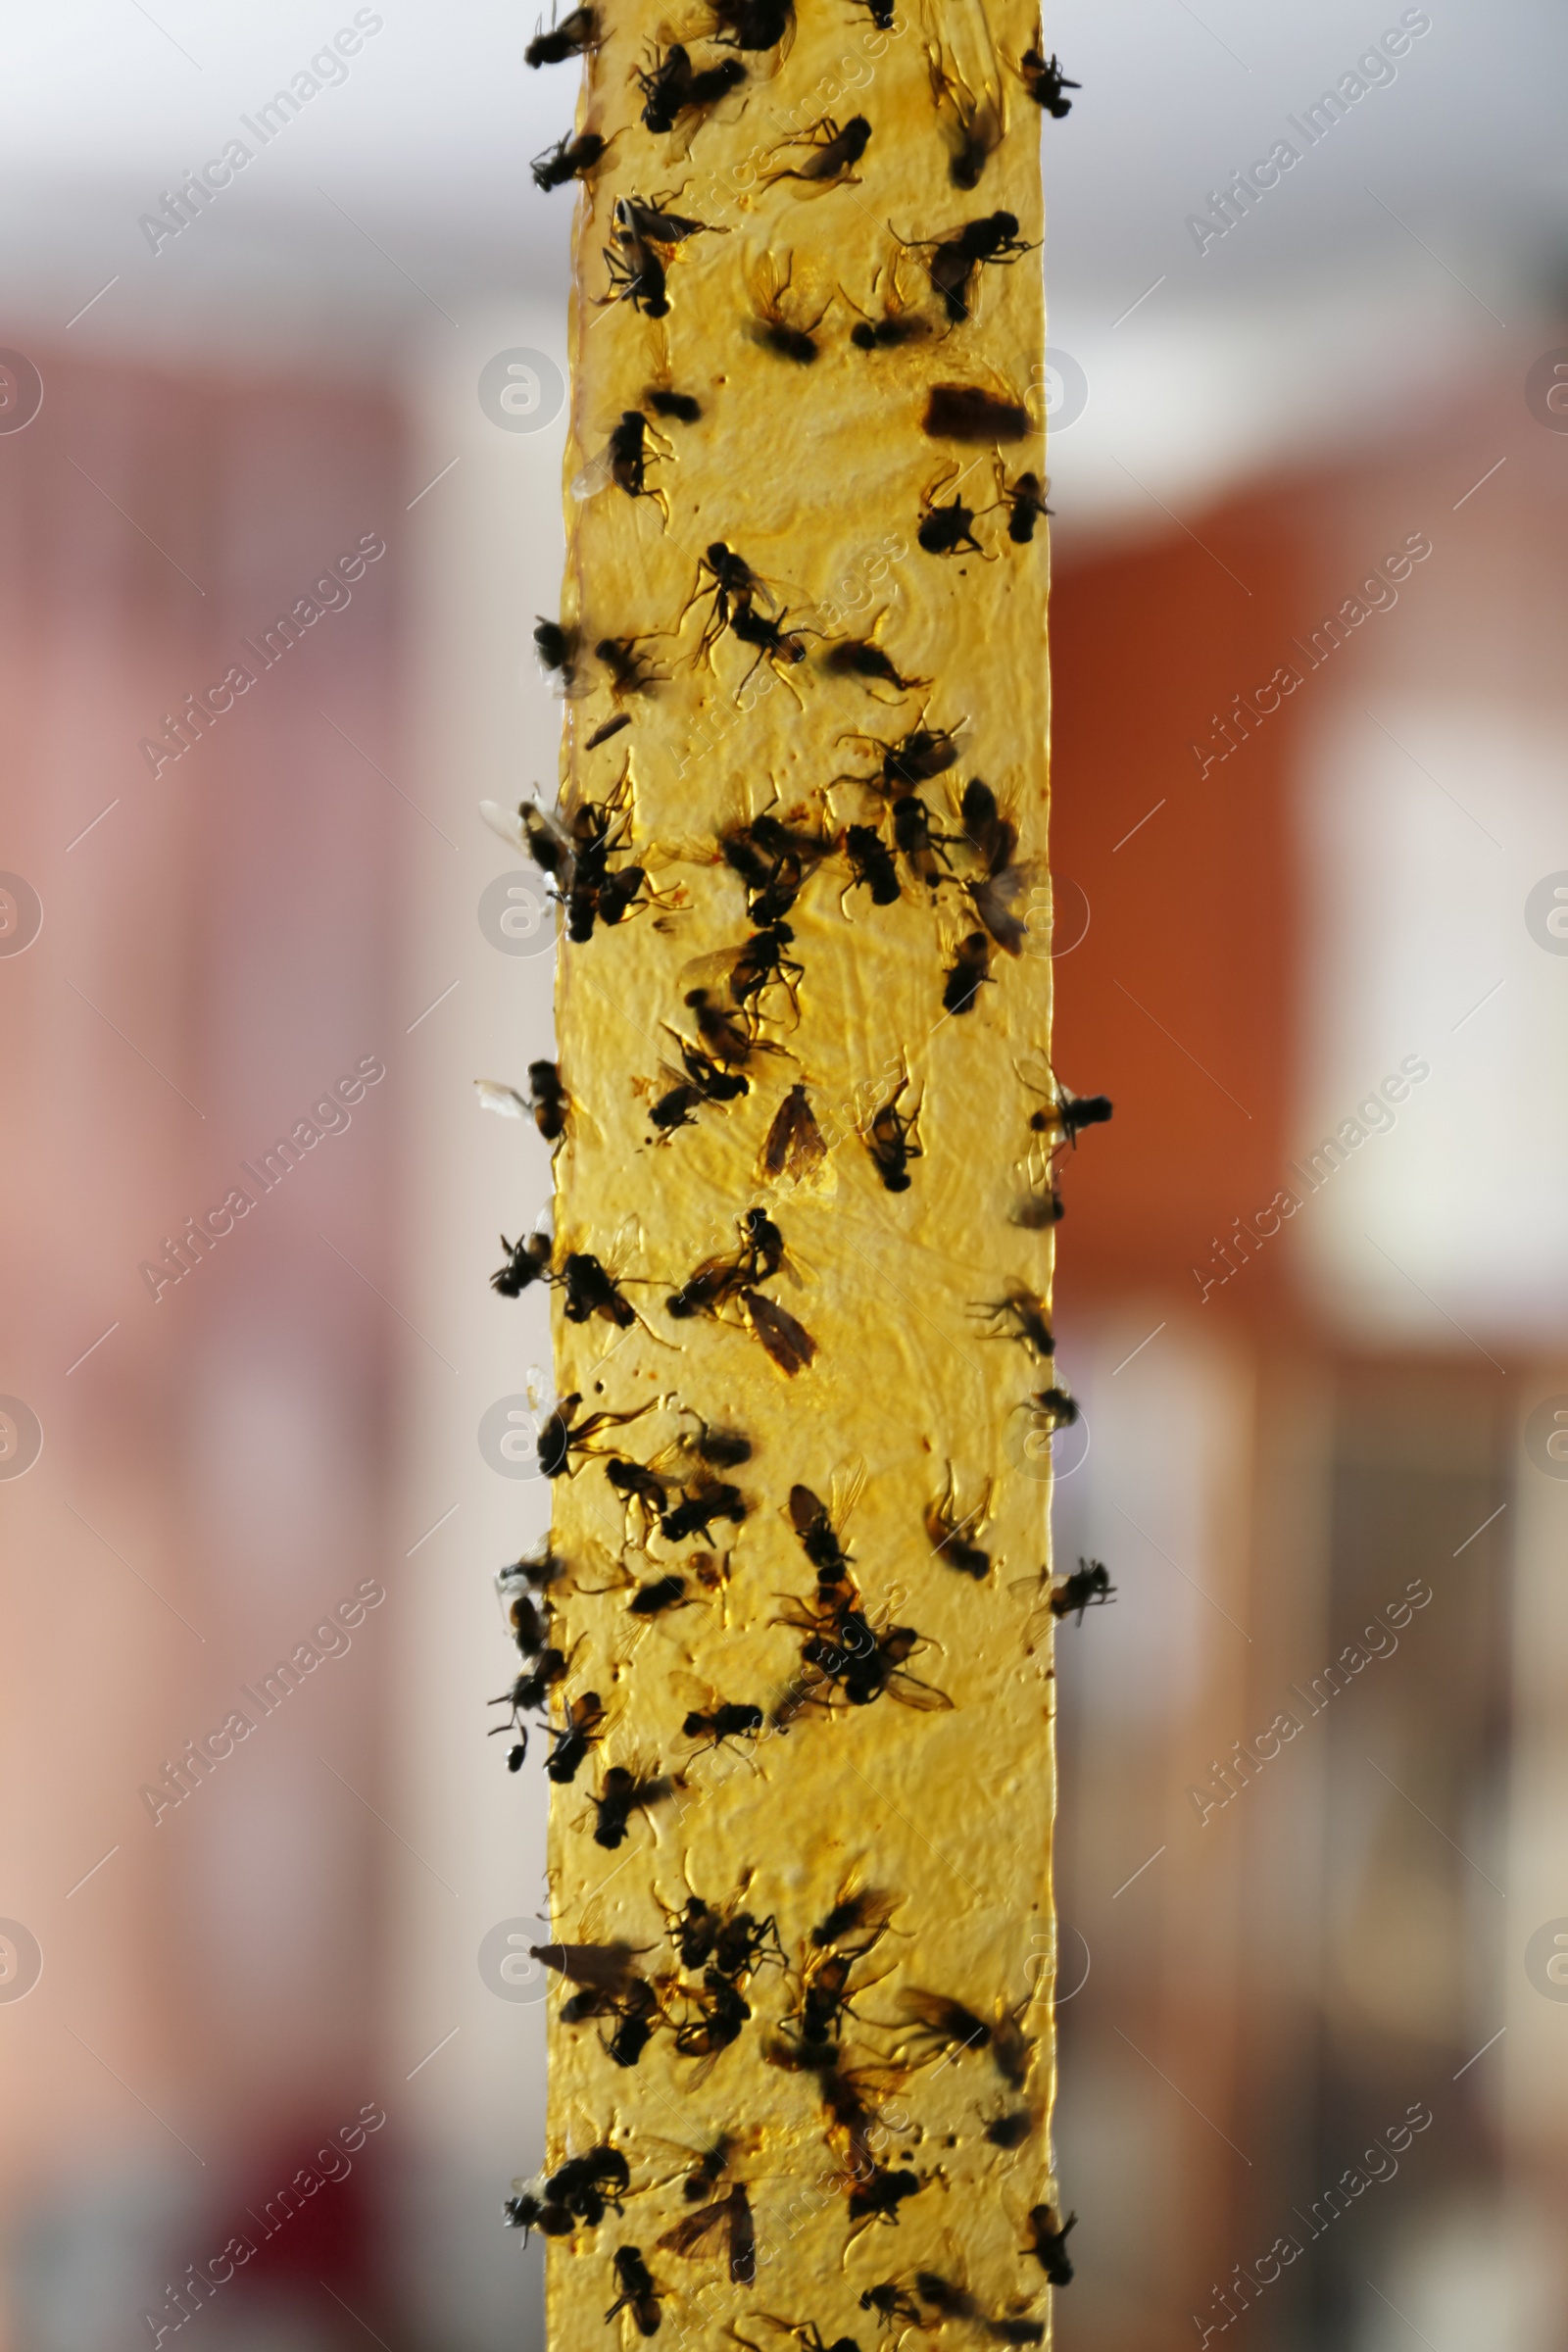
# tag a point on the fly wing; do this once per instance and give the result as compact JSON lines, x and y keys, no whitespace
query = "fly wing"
{"x":504,"y":1099}
{"x":998,"y":901}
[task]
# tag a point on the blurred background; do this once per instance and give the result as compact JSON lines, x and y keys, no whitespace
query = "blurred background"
{"x":1310,"y":475}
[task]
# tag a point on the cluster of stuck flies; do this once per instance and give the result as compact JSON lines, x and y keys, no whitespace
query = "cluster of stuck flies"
{"x":725,"y":1946}
{"x":703,"y":2003}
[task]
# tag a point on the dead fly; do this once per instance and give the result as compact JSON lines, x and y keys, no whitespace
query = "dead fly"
{"x":574,"y":36}
{"x":1010,"y":2131}
{"x":794,"y":1146}
{"x":898,"y":324}
{"x":702,"y":1501}
{"x":569,"y":159}
{"x":923,"y":851}
{"x":725,"y":1037}
{"x":636,"y":276}
{"x":860,"y":657}
{"x":862,"y":1912}
{"x":638,"y":2293}
{"x":557,"y":649}
{"x":703,"y":1082}
{"x":585,"y":2185}
{"x":534,"y":1572}
{"x":956,"y":258}
{"x":1048,"y":2235}
{"x":561,"y":1434}
{"x":709,"y":2167}
{"x":625,"y":1791}
{"x":752,"y":23}
{"x":947,"y":2299}
{"x":946,"y":530}
{"x":759,"y":964}
{"x":1025,"y":500}
{"x":635,"y":1483}
{"x":973,"y":126}
{"x":824,"y":2002}
{"x":945,"y":1529}
{"x":527,"y":1262}
{"x":774,"y":859}
{"x":1051,"y":1409}
{"x":1043,"y":80}
{"x":721,"y":2010}
{"x":833,"y":156}
{"x":574,"y":1738}
{"x":924,"y":753}
{"x":657,"y":1599}
{"x":890,"y":2302}
{"x":731,"y":2214}
{"x":872,"y":864}
{"x":877,"y":2197}
{"x":723,"y":1938}
{"x":577,"y":855}
{"x":528,"y":1695}
{"x":788,"y":1343}
{"x":787,"y":337}
{"x":723,"y":1278}
{"x":949,"y":2027}
{"x":678,"y":405}
{"x":1069,"y":1113}
{"x":806,"y":2332}
{"x":591,"y":1291}
{"x":672,"y":89}
{"x":720,"y":1448}
{"x":967,"y":974}
{"x":528,"y":1623}
{"x":547,"y":1104}
{"x":624,"y":462}
{"x":880,"y":13}
{"x":1088,"y":1586}
{"x":607,"y":1968}
{"x":892,"y":1137}
{"x":724,"y":1719}
{"x":818,"y":1529}
{"x":735,"y":588}
{"x":1020,"y":1315}
{"x":630,"y":672}
{"x":969,"y":413}
{"x":849,"y":2094}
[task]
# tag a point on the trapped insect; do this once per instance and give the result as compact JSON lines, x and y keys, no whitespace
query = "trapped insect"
{"x":892,"y":1138}
{"x":772,"y":857}
{"x":834,"y":154}
{"x":752,"y":23}
{"x":968,"y":973}
{"x":1043,"y":80}
{"x":956,"y":257}
{"x":862,"y":657}
{"x":945,"y":1529}
{"x":673,"y":88}
{"x":899,"y":324}
{"x":626,"y":1790}
{"x":527,"y":1262}
{"x":574,"y":36}
{"x":915,"y":758}
{"x":1088,"y":1586}
{"x":1025,"y":500}
{"x":794,"y":1146}
{"x":590,"y":1290}
{"x":638,"y":2293}
{"x":1020,"y":1314}
{"x":948,"y":530}
{"x":1048,"y":2242}
{"x":728,"y":2218}
{"x":771,"y":325}
{"x":574,"y":1738}
{"x":624,"y":462}
{"x":569,"y":159}
{"x":561,"y":1434}
{"x":973,"y":124}
{"x":872,"y":867}
{"x":558,"y":649}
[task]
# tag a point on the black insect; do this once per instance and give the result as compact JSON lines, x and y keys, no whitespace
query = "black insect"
{"x":773,"y":641}
{"x":561,"y":1434}
{"x":625,"y":458}
{"x":529,"y":1693}
{"x":825,"y":1997}
{"x":576,"y":855}
{"x":537,"y":1571}
{"x":719,"y":1279}
{"x":528,"y":2213}
{"x":968,"y":973}
{"x":834,"y":153}
{"x":859,"y":657}
{"x":527,"y":1262}
{"x":771,"y":857}
{"x":762,"y":962}
{"x":550,"y":1100}
{"x":639,"y":2017}
{"x":637,"y":275}
{"x":699,"y":1506}
{"x":585,"y":2185}
{"x":1043,"y":80}
{"x":892,"y":1138}
{"x":890,"y":2302}
{"x":872,"y":864}
{"x":557,"y":648}
{"x":1051,"y":1409}
{"x":679,"y":404}
{"x":969,"y":413}
{"x":956,"y":258}
{"x":638,"y":2293}
{"x":1088,"y":1586}
{"x":727,"y":1719}
{"x":786,"y":337}
{"x":1025,"y":500}
{"x":972,"y":125}
{"x":820,"y":1539}
{"x":794,"y":1144}
{"x":623,"y":1793}
{"x":923,"y":851}
{"x":574,"y":1738}
{"x":675,"y":88}
{"x":752,"y":23}
{"x":591,"y":1291}
{"x":950,"y":2301}
{"x":1047,"y":2237}
{"x":864,"y":1913}
{"x":878,"y":2197}
{"x":569,"y":159}
{"x":665,"y":1593}
{"x":574,"y":36}
{"x":652,"y":224}
{"x":946,"y":530}
{"x":915,"y":758}
{"x":721,"y":1449}
{"x":722,"y":2012}
{"x":636,"y":1482}
{"x":886,"y":333}
{"x":1010,"y":2131}
{"x":787,"y":1342}
{"x":1020,"y":1315}
{"x":729,"y":2215}
{"x":946,"y":2025}
{"x":880,"y":13}
{"x":1072,"y":1114}
{"x":811,"y":2336}
{"x":945,"y":1529}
